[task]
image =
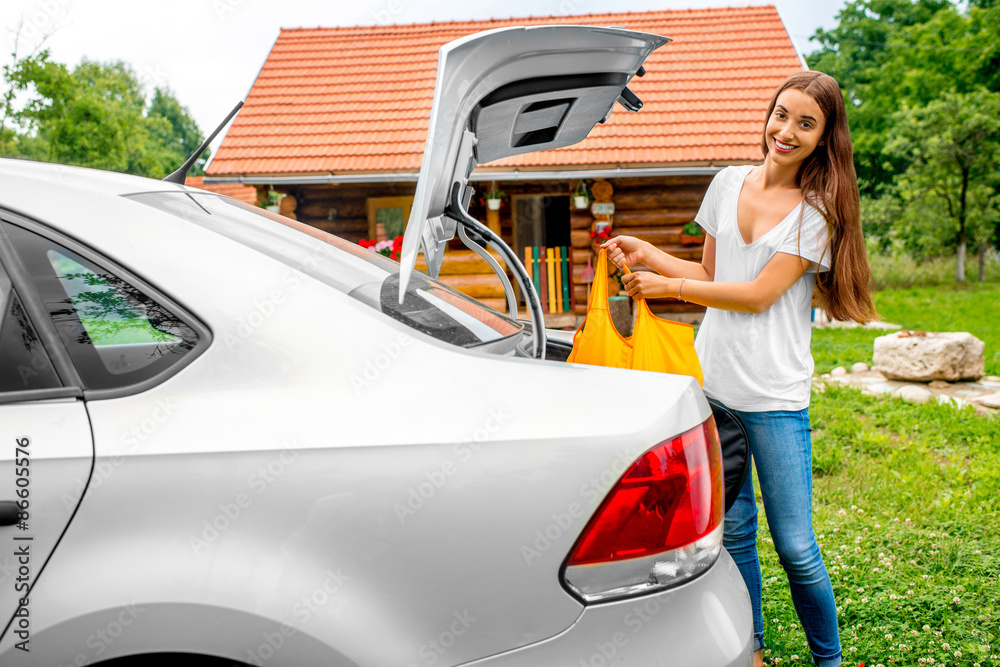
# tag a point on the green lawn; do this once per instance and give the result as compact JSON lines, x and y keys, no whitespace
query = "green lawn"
{"x":974,"y":307}
{"x":906,"y":506}
{"x":906,"y":511}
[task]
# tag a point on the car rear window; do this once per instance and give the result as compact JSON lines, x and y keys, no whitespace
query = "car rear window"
{"x":428,"y":305}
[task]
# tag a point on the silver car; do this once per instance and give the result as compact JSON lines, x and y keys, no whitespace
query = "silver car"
{"x":228,"y":435}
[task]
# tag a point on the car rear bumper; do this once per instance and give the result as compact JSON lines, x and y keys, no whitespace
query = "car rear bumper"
{"x":706,"y":623}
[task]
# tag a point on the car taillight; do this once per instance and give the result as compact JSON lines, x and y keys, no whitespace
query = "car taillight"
{"x":659,"y":526}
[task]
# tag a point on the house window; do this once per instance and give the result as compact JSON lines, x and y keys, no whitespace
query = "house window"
{"x":387,"y":216}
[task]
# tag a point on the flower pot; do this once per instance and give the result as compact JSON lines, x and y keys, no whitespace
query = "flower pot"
{"x":581,"y":202}
{"x":493,"y":204}
{"x":687,"y":239}
{"x":274,"y":208}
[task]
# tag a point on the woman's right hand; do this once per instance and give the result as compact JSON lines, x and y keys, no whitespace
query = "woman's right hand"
{"x":625,"y":250}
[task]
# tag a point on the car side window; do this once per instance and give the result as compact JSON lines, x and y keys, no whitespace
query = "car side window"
{"x":24,"y":364}
{"x":114,"y":332}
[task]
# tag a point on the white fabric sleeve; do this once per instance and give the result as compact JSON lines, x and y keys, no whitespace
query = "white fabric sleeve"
{"x":708,"y":214}
{"x":812,"y":242}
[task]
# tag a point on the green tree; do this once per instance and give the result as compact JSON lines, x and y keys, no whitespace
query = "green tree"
{"x":179,"y":137}
{"x":889,"y":53}
{"x":94,"y":115}
{"x":951,"y":145}
{"x":855,"y":53}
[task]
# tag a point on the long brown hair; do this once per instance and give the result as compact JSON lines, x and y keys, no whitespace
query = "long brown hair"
{"x":828,"y":182}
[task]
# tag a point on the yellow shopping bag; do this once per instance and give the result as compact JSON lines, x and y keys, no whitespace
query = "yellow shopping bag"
{"x":655,"y":345}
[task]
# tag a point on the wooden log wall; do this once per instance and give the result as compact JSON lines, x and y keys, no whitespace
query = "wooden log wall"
{"x":652,"y":209}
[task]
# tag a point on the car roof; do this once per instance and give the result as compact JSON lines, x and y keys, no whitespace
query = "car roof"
{"x":81,"y":178}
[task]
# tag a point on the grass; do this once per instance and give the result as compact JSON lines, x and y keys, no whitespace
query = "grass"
{"x":971,"y":307}
{"x":895,"y":270}
{"x":905,"y":511}
{"x":906,"y":506}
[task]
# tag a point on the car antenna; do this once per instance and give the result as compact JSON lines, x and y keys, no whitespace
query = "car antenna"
{"x":179,"y":175}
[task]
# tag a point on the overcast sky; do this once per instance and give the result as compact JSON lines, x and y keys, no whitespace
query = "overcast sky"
{"x":208,"y":52}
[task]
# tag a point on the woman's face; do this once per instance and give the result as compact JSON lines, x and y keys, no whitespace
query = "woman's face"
{"x":794,"y":129}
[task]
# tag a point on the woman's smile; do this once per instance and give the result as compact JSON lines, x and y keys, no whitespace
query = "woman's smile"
{"x":783,"y":147}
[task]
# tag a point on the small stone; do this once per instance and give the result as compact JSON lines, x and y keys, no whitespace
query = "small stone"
{"x":944,"y":399}
{"x":859,"y":367}
{"x":988,"y":401}
{"x":912,"y":393}
{"x":991,"y":378}
{"x":879,"y":388}
{"x":839,"y":371}
{"x":938,"y":384}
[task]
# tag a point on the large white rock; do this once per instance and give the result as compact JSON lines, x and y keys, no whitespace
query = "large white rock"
{"x":935,"y":356}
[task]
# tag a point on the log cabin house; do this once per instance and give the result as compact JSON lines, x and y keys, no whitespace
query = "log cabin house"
{"x":337,"y":119}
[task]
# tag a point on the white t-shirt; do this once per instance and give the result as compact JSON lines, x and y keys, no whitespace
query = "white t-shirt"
{"x":757,"y":363}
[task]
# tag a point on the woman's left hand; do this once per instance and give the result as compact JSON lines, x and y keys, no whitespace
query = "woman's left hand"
{"x":649,"y":285}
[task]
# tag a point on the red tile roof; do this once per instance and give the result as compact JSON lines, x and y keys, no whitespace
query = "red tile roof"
{"x":245,"y":193}
{"x":357,"y":99}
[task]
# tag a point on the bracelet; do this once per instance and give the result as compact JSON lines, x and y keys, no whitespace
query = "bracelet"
{"x":679,"y":288}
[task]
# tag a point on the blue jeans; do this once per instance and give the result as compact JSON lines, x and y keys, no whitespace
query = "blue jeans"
{"x":781,"y":449}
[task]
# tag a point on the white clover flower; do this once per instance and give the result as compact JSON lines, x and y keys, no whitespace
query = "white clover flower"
{"x":926,"y":628}
{"x":956,"y":600}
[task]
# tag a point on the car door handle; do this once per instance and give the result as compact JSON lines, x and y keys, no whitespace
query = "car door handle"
{"x":9,"y":512}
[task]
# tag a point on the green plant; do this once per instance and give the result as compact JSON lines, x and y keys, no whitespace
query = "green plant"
{"x":692,"y":229}
{"x":272,"y":199}
{"x":582,"y":190}
{"x":495,"y":194}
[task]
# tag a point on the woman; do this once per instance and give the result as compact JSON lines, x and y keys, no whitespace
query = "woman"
{"x":774,"y":232}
